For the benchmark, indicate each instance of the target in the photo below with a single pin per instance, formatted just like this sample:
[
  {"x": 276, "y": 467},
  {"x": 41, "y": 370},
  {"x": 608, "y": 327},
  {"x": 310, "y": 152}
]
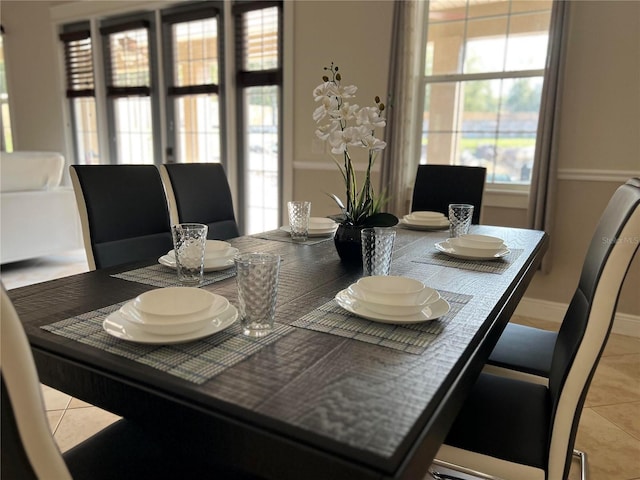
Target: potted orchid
[{"x": 343, "y": 126}]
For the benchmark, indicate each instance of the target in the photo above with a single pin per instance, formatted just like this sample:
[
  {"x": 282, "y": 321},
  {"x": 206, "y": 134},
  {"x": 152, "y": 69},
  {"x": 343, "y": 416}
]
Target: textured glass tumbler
[
  {"x": 460, "y": 215},
  {"x": 377, "y": 250},
  {"x": 299, "y": 213},
  {"x": 257, "y": 280},
  {"x": 189, "y": 240}
]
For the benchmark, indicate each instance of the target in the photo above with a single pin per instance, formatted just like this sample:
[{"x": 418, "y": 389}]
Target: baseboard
[{"x": 624, "y": 323}]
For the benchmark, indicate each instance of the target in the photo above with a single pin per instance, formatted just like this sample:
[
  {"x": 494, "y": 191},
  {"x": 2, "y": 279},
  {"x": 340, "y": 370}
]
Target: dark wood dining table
[{"x": 313, "y": 404}]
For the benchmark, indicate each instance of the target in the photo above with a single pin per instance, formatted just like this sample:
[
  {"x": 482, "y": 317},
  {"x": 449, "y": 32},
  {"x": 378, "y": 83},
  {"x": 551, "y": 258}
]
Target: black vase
[{"x": 349, "y": 244}]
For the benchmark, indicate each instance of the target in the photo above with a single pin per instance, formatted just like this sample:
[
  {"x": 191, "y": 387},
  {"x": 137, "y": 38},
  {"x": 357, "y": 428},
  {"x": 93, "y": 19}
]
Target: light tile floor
[{"x": 609, "y": 428}]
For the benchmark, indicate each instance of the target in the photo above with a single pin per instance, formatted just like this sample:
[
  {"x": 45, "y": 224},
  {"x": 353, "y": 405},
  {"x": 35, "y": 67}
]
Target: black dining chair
[
  {"x": 123, "y": 213},
  {"x": 123, "y": 450},
  {"x": 525, "y": 352},
  {"x": 517, "y": 429},
  {"x": 437, "y": 186},
  {"x": 200, "y": 193}
]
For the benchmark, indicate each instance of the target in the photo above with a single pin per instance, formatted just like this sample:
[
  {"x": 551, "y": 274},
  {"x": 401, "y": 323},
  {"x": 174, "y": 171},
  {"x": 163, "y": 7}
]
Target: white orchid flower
[
  {"x": 373, "y": 144},
  {"x": 326, "y": 89},
  {"x": 323, "y": 131},
  {"x": 370, "y": 117},
  {"x": 347, "y": 92},
  {"x": 337, "y": 142}
]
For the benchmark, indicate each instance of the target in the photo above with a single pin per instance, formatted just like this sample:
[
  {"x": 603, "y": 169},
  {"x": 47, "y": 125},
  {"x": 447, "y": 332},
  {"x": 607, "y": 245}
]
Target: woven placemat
[
  {"x": 410, "y": 338},
  {"x": 162, "y": 276},
  {"x": 282, "y": 236},
  {"x": 195, "y": 361},
  {"x": 499, "y": 265}
]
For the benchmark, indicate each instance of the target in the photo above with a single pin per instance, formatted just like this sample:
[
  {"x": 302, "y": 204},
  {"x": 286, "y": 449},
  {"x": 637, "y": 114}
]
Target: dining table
[{"x": 328, "y": 394}]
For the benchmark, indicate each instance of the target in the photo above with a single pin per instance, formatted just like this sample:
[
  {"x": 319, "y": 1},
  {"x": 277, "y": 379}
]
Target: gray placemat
[
  {"x": 282, "y": 236},
  {"x": 410, "y": 338},
  {"x": 195, "y": 361},
  {"x": 162, "y": 276},
  {"x": 499, "y": 265}
]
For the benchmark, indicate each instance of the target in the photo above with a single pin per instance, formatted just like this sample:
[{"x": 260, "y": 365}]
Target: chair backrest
[
  {"x": 200, "y": 193},
  {"x": 123, "y": 212},
  {"x": 437, "y": 186},
  {"x": 28, "y": 448},
  {"x": 588, "y": 320}
]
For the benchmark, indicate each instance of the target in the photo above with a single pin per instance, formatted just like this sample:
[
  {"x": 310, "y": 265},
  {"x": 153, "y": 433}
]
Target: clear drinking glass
[
  {"x": 377, "y": 250},
  {"x": 299, "y": 213},
  {"x": 189, "y": 241},
  {"x": 257, "y": 280},
  {"x": 460, "y": 215}
]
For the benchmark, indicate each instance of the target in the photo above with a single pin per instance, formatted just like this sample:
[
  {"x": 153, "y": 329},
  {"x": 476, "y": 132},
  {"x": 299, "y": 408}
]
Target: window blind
[
  {"x": 78, "y": 63},
  {"x": 258, "y": 43}
]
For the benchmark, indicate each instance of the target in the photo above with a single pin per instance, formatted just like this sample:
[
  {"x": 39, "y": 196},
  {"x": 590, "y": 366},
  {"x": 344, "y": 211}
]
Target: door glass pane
[
  {"x": 86, "y": 130},
  {"x": 134, "y": 133},
  {"x": 260, "y": 39},
  {"x": 195, "y": 52},
  {"x": 6, "y": 141},
  {"x": 261, "y": 169},
  {"x": 130, "y": 58},
  {"x": 197, "y": 128}
]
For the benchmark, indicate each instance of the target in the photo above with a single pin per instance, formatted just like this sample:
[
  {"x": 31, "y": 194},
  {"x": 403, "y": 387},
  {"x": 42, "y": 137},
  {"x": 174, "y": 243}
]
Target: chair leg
[
  {"x": 439, "y": 476},
  {"x": 582, "y": 456}
]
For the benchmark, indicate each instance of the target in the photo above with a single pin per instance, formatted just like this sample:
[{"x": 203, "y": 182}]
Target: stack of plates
[
  {"x": 218, "y": 255},
  {"x": 474, "y": 247},
  {"x": 171, "y": 315},
  {"x": 318, "y": 227},
  {"x": 391, "y": 299},
  {"x": 425, "y": 221}
]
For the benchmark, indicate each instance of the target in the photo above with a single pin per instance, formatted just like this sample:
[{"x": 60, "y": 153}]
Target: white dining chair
[
  {"x": 123, "y": 450},
  {"x": 512, "y": 428}
]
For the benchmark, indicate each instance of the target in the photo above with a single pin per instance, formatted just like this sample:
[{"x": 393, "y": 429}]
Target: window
[
  {"x": 131, "y": 108},
  {"x": 150, "y": 87},
  {"x": 193, "y": 78},
  {"x": 484, "y": 68},
  {"x": 259, "y": 81},
  {"x": 6, "y": 138},
  {"x": 78, "y": 54}
]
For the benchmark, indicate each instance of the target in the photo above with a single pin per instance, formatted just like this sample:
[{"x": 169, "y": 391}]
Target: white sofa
[{"x": 38, "y": 216}]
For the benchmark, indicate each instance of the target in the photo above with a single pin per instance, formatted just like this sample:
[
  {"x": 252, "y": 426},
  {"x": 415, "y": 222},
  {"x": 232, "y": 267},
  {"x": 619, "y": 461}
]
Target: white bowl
[
  {"x": 391, "y": 290},
  {"x": 480, "y": 241},
  {"x": 425, "y": 215},
  {"x": 427, "y": 297},
  {"x": 321, "y": 223},
  {"x": 173, "y": 303},
  {"x": 217, "y": 249},
  {"x": 462, "y": 249}
]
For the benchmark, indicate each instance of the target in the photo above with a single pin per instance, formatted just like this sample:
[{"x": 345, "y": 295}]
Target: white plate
[
  {"x": 425, "y": 215},
  {"x": 324, "y": 232},
  {"x": 131, "y": 313},
  {"x": 118, "y": 326},
  {"x": 209, "y": 266},
  {"x": 433, "y": 311},
  {"x": 414, "y": 226},
  {"x": 211, "y": 258},
  {"x": 446, "y": 249},
  {"x": 430, "y": 222},
  {"x": 428, "y": 297}
]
